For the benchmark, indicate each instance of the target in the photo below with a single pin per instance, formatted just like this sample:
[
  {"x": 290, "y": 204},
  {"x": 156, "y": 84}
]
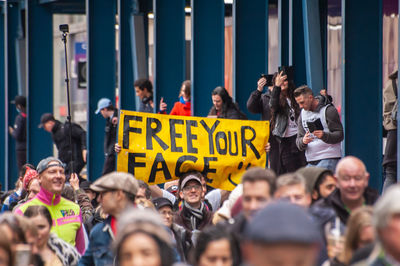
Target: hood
[{"x": 322, "y": 101}]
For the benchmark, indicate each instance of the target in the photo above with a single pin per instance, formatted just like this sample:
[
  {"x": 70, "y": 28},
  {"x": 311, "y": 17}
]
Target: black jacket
[
  {"x": 334, "y": 202},
  {"x": 19, "y": 133},
  {"x": 60, "y": 135},
  {"x": 258, "y": 103},
  {"x": 110, "y": 136}
]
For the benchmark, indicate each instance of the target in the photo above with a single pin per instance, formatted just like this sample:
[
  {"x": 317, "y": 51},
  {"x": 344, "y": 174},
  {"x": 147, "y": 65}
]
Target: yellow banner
[{"x": 157, "y": 148}]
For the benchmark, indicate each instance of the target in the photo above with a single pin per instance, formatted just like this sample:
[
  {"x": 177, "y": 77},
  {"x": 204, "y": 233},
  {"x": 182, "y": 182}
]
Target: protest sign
[{"x": 157, "y": 148}]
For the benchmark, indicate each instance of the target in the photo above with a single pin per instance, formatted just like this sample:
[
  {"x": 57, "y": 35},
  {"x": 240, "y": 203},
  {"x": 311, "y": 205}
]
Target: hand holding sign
[{"x": 163, "y": 105}]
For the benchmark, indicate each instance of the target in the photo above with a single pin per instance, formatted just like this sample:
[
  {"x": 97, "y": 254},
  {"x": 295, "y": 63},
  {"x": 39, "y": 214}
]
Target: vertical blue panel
[
  {"x": 39, "y": 62},
  {"x": 169, "y": 47},
  {"x": 125, "y": 60},
  {"x": 283, "y": 32},
  {"x": 101, "y": 75},
  {"x": 296, "y": 42},
  {"x": 323, "y": 18},
  {"x": 207, "y": 52},
  {"x": 362, "y": 83},
  {"x": 313, "y": 50},
  {"x": 3, "y": 102},
  {"x": 11, "y": 88},
  {"x": 250, "y": 47}
]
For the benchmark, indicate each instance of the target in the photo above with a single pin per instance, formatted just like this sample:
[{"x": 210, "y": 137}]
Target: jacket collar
[{"x": 47, "y": 197}]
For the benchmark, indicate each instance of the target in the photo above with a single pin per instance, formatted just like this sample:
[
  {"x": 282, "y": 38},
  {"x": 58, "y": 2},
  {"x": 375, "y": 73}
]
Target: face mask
[{"x": 19, "y": 111}]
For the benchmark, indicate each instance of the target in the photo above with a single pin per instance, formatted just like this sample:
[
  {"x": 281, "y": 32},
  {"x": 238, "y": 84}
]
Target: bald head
[
  {"x": 350, "y": 162},
  {"x": 352, "y": 179}
]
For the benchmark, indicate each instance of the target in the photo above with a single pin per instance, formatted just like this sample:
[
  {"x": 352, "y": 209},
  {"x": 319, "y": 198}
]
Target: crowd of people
[{"x": 308, "y": 207}]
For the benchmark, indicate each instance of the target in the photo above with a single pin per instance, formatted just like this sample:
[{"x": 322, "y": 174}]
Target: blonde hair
[{"x": 359, "y": 219}]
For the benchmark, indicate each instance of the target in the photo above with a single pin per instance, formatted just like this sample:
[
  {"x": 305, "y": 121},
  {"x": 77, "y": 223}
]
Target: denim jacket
[{"x": 99, "y": 252}]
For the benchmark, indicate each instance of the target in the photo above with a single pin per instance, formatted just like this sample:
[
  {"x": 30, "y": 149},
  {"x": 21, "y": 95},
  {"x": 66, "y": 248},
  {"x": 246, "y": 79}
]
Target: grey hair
[
  {"x": 291, "y": 179},
  {"x": 386, "y": 207}
]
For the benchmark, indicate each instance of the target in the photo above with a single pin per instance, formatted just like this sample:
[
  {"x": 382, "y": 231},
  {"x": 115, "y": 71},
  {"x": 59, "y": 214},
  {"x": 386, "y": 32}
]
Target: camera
[
  {"x": 268, "y": 78},
  {"x": 64, "y": 28}
]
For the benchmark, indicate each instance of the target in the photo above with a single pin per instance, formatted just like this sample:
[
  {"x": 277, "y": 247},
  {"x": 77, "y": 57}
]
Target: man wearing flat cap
[
  {"x": 117, "y": 193},
  {"x": 66, "y": 215},
  {"x": 281, "y": 234}
]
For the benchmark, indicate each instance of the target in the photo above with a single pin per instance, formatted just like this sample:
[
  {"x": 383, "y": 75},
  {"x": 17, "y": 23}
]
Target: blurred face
[
  {"x": 108, "y": 202},
  {"x": 366, "y": 236},
  {"x": 141, "y": 194},
  {"x": 139, "y": 249},
  {"x": 91, "y": 194},
  {"x": 166, "y": 214},
  {"x": 305, "y": 101},
  {"x": 4, "y": 258},
  {"x": 217, "y": 253},
  {"x": 183, "y": 94},
  {"x": 48, "y": 126},
  {"x": 43, "y": 229},
  {"x": 104, "y": 112},
  {"x": 285, "y": 85},
  {"x": 140, "y": 93},
  {"x": 352, "y": 181},
  {"x": 389, "y": 236},
  {"x": 281, "y": 254},
  {"x": 192, "y": 193},
  {"x": 327, "y": 187},
  {"x": 255, "y": 196},
  {"x": 34, "y": 188},
  {"x": 53, "y": 178},
  {"x": 217, "y": 101},
  {"x": 295, "y": 193}
]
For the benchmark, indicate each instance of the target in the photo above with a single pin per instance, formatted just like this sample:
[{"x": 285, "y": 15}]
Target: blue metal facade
[
  {"x": 362, "y": 84},
  {"x": 101, "y": 75},
  {"x": 39, "y": 70},
  {"x": 250, "y": 48},
  {"x": 169, "y": 50},
  {"x": 207, "y": 52},
  {"x": 302, "y": 42}
]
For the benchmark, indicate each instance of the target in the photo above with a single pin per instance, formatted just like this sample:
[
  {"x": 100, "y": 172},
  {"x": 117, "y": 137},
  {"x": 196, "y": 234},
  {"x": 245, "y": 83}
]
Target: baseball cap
[
  {"x": 103, "y": 103},
  {"x": 116, "y": 181},
  {"x": 46, "y": 163},
  {"x": 189, "y": 178},
  {"x": 85, "y": 185},
  {"x": 19, "y": 99},
  {"x": 282, "y": 222},
  {"x": 161, "y": 202},
  {"x": 46, "y": 117}
]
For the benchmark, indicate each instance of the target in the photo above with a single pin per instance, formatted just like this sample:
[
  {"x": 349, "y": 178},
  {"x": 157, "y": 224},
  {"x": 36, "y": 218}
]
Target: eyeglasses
[{"x": 189, "y": 188}]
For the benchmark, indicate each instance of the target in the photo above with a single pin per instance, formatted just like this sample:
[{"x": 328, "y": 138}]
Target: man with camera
[{"x": 320, "y": 130}]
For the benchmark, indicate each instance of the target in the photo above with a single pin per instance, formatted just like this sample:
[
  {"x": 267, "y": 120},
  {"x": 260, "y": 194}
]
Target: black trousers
[
  {"x": 290, "y": 157},
  {"x": 109, "y": 164},
  {"x": 21, "y": 158}
]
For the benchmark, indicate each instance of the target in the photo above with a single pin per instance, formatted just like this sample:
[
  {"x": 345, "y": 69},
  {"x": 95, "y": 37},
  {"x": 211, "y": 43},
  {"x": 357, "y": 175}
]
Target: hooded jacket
[{"x": 335, "y": 134}]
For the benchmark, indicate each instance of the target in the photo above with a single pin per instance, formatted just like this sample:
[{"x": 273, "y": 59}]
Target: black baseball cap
[
  {"x": 161, "y": 202},
  {"x": 46, "y": 118},
  {"x": 19, "y": 99}
]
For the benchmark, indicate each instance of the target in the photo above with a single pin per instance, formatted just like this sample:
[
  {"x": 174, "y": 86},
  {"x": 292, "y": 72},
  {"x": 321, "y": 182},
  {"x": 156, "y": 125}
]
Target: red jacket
[{"x": 180, "y": 109}]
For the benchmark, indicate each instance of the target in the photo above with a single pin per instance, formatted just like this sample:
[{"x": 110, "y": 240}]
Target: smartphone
[
  {"x": 288, "y": 71},
  {"x": 268, "y": 79}
]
